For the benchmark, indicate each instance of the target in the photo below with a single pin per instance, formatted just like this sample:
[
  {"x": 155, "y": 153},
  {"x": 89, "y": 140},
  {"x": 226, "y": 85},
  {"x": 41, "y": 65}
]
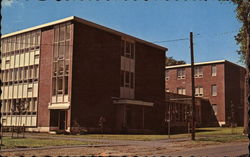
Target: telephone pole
[{"x": 193, "y": 88}]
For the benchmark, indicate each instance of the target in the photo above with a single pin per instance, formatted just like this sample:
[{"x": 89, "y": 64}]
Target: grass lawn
[
  {"x": 234, "y": 134},
  {"x": 204, "y": 134},
  {"x": 8, "y": 142}
]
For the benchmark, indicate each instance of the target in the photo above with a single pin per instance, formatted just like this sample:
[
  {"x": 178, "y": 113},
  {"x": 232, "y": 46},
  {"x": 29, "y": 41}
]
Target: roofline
[
  {"x": 201, "y": 63},
  {"x": 77, "y": 19}
]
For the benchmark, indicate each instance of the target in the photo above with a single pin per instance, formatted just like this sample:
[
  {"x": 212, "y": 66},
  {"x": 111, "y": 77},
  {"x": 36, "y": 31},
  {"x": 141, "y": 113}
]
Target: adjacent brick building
[
  {"x": 71, "y": 72},
  {"x": 221, "y": 82}
]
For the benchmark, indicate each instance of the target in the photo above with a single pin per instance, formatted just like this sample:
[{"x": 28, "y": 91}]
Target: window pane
[
  {"x": 66, "y": 85},
  {"x": 67, "y": 51},
  {"x": 55, "y": 51},
  {"x": 67, "y": 31},
  {"x": 66, "y": 67},
  {"x": 62, "y": 33},
  {"x": 54, "y": 86},
  {"x": 126, "y": 79},
  {"x": 56, "y": 34},
  {"x": 60, "y": 67},
  {"x": 59, "y": 85},
  {"x": 61, "y": 50}
]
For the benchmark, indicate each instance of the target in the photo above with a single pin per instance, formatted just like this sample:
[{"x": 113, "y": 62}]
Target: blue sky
[{"x": 152, "y": 20}]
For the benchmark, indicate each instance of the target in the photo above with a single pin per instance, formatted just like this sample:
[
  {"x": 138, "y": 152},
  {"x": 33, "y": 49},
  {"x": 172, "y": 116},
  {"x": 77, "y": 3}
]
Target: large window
[
  {"x": 198, "y": 72},
  {"x": 214, "y": 90},
  {"x": 214, "y": 70},
  {"x": 127, "y": 79},
  {"x": 61, "y": 54},
  {"x": 127, "y": 49},
  {"x": 199, "y": 91},
  {"x": 181, "y": 73},
  {"x": 181, "y": 91}
]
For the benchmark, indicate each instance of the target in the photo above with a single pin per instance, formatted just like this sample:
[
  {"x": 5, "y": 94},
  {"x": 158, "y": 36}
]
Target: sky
[{"x": 213, "y": 23}]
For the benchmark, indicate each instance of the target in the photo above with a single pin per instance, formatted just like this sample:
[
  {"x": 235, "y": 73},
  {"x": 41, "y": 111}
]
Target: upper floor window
[
  {"x": 181, "y": 91},
  {"x": 181, "y": 73},
  {"x": 214, "y": 70},
  {"x": 127, "y": 79},
  {"x": 199, "y": 91},
  {"x": 127, "y": 49},
  {"x": 166, "y": 75},
  {"x": 214, "y": 90},
  {"x": 198, "y": 72}
]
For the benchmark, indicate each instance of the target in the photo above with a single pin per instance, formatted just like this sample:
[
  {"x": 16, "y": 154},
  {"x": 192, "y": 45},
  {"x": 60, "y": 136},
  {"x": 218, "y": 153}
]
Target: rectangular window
[
  {"x": 214, "y": 106},
  {"x": 181, "y": 91},
  {"x": 199, "y": 91},
  {"x": 60, "y": 85},
  {"x": 67, "y": 31},
  {"x": 29, "y": 89},
  {"x": 166, "y": 75},
  {"x": 214, "y": 70},
  {"x": 36, "y": 71},
  {"x": 198, "y": 73},
  {"x": 127, "y": 79},
  {"x": 20, "y": 74},
  {"x": 54, "y": 86},
  {"x": 181, "y": 73},
  {"x": 127, "y": 49},
  {"x": 61, "y": 33},
  {"x": 214, "y": 90},
  {"x": 66, "y": 85}
]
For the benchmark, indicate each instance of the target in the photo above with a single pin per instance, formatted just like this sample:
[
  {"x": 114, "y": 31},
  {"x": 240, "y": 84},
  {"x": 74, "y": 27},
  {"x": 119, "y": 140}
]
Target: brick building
[
  {"x": 221, "y": 82},
  {"x": 71, "y": 72}
]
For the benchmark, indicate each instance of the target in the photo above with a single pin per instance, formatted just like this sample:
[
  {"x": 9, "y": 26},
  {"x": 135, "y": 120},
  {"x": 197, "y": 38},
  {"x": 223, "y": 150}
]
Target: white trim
[
  {"x": 201, "y": 63},
  {"x": 59, "y": 106}
]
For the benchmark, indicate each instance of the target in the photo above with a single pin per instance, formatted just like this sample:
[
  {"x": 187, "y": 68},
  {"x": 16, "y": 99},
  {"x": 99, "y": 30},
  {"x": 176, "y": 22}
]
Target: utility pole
[{"x": 193, "y": 88}]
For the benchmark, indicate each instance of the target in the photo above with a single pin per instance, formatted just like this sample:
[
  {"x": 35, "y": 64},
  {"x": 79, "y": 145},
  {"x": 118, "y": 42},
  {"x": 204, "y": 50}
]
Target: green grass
[
  {"x": 9, "y": 142},
  {"x": 200, "y": 133}
]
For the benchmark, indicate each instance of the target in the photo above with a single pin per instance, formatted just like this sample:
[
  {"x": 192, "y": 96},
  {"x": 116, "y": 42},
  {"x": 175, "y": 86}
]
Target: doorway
[{"x": 62, "y": 120}]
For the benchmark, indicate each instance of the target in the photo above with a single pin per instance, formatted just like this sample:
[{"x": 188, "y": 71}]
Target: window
[
  {"x": 214, "y": 70},
  {"x": 181, "y": 73},
  {"x": 36, "y": 71},
  {"x": 127, "y": 79},
  {"x": 166, "y": 75},
  {"x": 181, "y": 91},
  {"x": 214, "y": 106},
  {"x": 29, "y": 89},
  {"x": 214, "y": 90},
  {"x": 127, "y": 49},
  {"x": 199, "y": 91},
  {"x": 198, "y": 73}
]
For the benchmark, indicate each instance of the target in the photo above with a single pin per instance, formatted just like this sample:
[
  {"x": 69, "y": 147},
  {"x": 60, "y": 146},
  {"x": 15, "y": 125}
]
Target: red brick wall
[
  {"x": 96, "y": 75},
  {"x": 46, "y": 53},
  {"x": 150, "y": 83},
  {"x": 235, "y": 87},
  {"x": 206, "y": 81}
]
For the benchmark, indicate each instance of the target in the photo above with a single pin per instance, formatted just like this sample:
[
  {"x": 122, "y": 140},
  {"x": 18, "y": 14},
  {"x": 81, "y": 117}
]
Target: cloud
[{"x": 7, "y": 3}]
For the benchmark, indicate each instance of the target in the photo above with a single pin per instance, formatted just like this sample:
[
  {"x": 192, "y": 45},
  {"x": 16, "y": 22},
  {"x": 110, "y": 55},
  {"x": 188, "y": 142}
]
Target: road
[{"x": 228, "y": 150}]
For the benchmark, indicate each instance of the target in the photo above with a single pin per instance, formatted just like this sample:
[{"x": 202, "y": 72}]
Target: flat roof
[
  {"x": 77, "y": 19},
  {"x": 201, "y": 63}
]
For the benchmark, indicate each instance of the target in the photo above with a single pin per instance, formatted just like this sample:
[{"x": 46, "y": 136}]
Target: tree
[
  {"x": 242, "y": 38},
  {"x": 171, "y": 61},
  {"x": 242, "y": 13}
]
